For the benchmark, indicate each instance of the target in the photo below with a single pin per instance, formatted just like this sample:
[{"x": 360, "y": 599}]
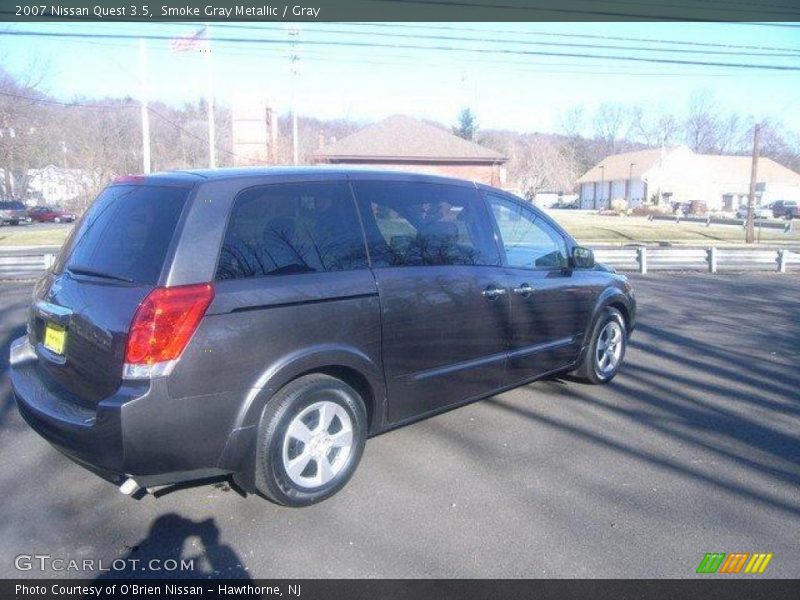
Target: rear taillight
[{"x": 163, "y": 324}]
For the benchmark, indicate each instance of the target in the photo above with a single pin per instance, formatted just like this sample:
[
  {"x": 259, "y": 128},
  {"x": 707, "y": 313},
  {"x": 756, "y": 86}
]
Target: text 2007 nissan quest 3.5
[{"x": 263, "y": 323}]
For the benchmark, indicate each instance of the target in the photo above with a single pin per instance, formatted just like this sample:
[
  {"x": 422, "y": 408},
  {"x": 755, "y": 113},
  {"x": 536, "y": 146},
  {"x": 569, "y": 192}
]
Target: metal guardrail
[
  {"x": 25, "y": 262},
  {"x": 712, "y": 259},
  {"x": 31, "y": 262},
  {"x": 784, "y": 226}
]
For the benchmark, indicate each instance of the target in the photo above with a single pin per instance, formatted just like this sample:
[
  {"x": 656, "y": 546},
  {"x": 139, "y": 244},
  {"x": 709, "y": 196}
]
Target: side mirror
[{"x": 582, "y": 258}]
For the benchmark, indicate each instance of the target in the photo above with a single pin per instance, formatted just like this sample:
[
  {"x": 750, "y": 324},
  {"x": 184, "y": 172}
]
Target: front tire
[
  {"x": 606, "y": 349},
  {"x": 311, "y": 438}
]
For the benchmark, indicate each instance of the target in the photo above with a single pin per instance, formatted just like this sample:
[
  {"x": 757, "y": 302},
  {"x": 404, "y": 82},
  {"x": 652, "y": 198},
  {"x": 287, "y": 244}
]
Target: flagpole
[
  {"x": 294, "y": 58},
  {"x": 144, "y": 109},
  {"x": 212, "y": 146}
]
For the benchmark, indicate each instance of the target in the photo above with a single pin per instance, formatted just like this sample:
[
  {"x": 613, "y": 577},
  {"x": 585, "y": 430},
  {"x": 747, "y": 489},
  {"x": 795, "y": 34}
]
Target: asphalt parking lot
[{"x": 694, "y": 448}]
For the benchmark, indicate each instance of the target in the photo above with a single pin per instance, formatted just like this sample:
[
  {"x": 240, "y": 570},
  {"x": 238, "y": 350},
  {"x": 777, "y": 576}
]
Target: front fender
[{"x": 613, "y": 295}]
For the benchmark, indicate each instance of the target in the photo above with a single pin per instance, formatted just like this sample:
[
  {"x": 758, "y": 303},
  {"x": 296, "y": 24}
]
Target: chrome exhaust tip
[{"x": 129, "y": 487}]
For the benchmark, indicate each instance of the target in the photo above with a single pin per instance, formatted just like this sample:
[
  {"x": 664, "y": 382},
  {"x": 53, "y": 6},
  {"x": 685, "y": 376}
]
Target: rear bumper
[{"x": 129, "y": 434}]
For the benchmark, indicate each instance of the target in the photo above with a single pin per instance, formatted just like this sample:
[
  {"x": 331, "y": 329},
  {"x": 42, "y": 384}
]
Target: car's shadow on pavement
[
  {"x": 176, "y": 547},
  {"x": 708, "y": 380}
]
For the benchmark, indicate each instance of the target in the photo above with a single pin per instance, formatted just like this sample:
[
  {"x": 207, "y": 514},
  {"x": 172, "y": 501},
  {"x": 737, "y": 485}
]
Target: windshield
[{"x": 125, "y": 234}]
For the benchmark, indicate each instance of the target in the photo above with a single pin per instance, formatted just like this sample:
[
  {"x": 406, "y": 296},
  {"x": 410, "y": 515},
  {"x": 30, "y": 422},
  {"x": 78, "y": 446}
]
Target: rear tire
[
  {"x": 606, "y": 350},
  {"x": 311, "y": 438}
]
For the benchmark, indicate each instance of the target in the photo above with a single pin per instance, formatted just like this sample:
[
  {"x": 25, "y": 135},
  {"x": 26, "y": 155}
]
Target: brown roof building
[{"x": 405, "y": 143}]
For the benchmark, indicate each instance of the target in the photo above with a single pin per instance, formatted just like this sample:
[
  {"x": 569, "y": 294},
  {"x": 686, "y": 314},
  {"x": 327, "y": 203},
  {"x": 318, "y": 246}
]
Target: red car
[{"x": 47, "y": 214}]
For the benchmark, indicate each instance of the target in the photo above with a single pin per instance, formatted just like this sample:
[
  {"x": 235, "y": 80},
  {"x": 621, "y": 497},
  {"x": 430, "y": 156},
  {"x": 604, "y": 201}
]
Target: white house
[
  {"x": 679, "y": 175},
  {"x": 57, "y": 185}
]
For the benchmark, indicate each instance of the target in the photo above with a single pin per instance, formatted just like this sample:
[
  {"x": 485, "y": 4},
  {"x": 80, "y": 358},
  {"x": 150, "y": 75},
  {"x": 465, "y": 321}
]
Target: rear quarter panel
[{"x": 260, "y": 333}]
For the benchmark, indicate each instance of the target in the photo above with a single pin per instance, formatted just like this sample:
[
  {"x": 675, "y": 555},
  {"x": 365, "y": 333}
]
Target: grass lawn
[
  {"x": 33, "y": 235},
  {"x": 596, "y": 229}
]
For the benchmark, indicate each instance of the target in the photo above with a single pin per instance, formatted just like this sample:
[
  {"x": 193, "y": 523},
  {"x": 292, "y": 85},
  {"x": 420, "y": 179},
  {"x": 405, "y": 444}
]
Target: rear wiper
[{"x": 80, "y": 270}]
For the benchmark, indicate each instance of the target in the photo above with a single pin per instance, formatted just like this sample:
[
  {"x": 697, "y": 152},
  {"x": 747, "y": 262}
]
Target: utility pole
[
  {"x": 212, "y": 142},
  {"x": 294, "y": 58},
  {"x": 748, "y": 236},
  {"x": 629, "y": 186},
  {"x": 602, "y": 183},
  {"x": 145, "y": 110}
]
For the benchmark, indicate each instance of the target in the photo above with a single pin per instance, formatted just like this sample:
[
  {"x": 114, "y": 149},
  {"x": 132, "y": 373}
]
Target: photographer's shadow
[{"x": 179, "y": 548}]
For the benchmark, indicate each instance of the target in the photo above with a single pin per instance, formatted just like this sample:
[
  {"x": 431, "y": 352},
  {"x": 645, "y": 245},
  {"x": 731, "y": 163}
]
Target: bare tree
[
  {"x": 778, "y": 143},
  {"x": 612, "y": 124},
  {"x": 660, "y": 130},
  {"x": 24, "y": 139},
  {"x": 539, "y": 164},
  {"x": 572, "y": 122},
  {"x": 702, "y": 125},
  {"x": 581, "y": 152}
]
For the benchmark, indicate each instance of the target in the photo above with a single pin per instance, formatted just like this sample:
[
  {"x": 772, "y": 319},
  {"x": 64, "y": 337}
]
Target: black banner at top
[{"x": 401, "y": 10}]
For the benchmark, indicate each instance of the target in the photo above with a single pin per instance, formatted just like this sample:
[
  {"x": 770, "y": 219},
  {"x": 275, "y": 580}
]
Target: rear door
[
  {"x": 444, "y": 306},
  {"x": 83, "y": 309},
  {"x": 549, "y": 307}
]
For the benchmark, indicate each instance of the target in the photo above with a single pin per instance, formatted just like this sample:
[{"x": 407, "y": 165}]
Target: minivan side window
[
  {"x": 292, "y": 228},
  {"x": 412, "y": 224},
  {"x": 529, "y": 241}
]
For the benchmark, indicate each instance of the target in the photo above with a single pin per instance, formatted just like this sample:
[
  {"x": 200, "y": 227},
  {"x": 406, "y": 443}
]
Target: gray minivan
[{"x": 262, "y": 323}]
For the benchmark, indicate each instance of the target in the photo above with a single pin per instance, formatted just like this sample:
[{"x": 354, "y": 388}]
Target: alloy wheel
[
  {"x": 609, "y": 348},
  {"x": 318, "y": 444}
]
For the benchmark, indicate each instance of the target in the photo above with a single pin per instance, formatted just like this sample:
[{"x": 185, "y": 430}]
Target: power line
[
  {"x": 502, "y": 51},
  {"x": 573, "y": 35},
  {"x": 483, "y": 30},
  {"x": 231, "y": 49},
  {"x": 228, "y": 49},
  {"x": 67, "y": 104},
  {"x": 519, "y": 67},
  {"x": 526, "y": 42},
  {"x": 765, "y": 51},
  {"x": 189, "y": 133},
  {"x": 559, "y": 68}
]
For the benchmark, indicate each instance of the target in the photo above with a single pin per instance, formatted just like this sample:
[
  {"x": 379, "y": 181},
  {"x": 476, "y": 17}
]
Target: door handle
[
  {"x": 523, "y": 290},
  {"x": 493, "y": 292}
]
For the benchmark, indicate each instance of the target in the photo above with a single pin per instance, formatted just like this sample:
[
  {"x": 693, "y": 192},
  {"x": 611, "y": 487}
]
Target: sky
[{"x": 505, "y": 89}]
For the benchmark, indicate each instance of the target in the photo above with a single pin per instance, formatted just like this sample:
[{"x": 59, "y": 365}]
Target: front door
[
  {"x": 444, "y": 305},
  {"x": 548, "y": 306}
]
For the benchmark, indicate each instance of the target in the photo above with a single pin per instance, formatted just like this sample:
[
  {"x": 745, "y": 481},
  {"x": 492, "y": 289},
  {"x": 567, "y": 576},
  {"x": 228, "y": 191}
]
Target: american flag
[{"x": 191, "y": 41}]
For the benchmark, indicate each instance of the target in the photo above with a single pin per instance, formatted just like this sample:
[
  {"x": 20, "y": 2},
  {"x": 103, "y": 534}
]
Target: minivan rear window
[{"x": 125, "y": 233}]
